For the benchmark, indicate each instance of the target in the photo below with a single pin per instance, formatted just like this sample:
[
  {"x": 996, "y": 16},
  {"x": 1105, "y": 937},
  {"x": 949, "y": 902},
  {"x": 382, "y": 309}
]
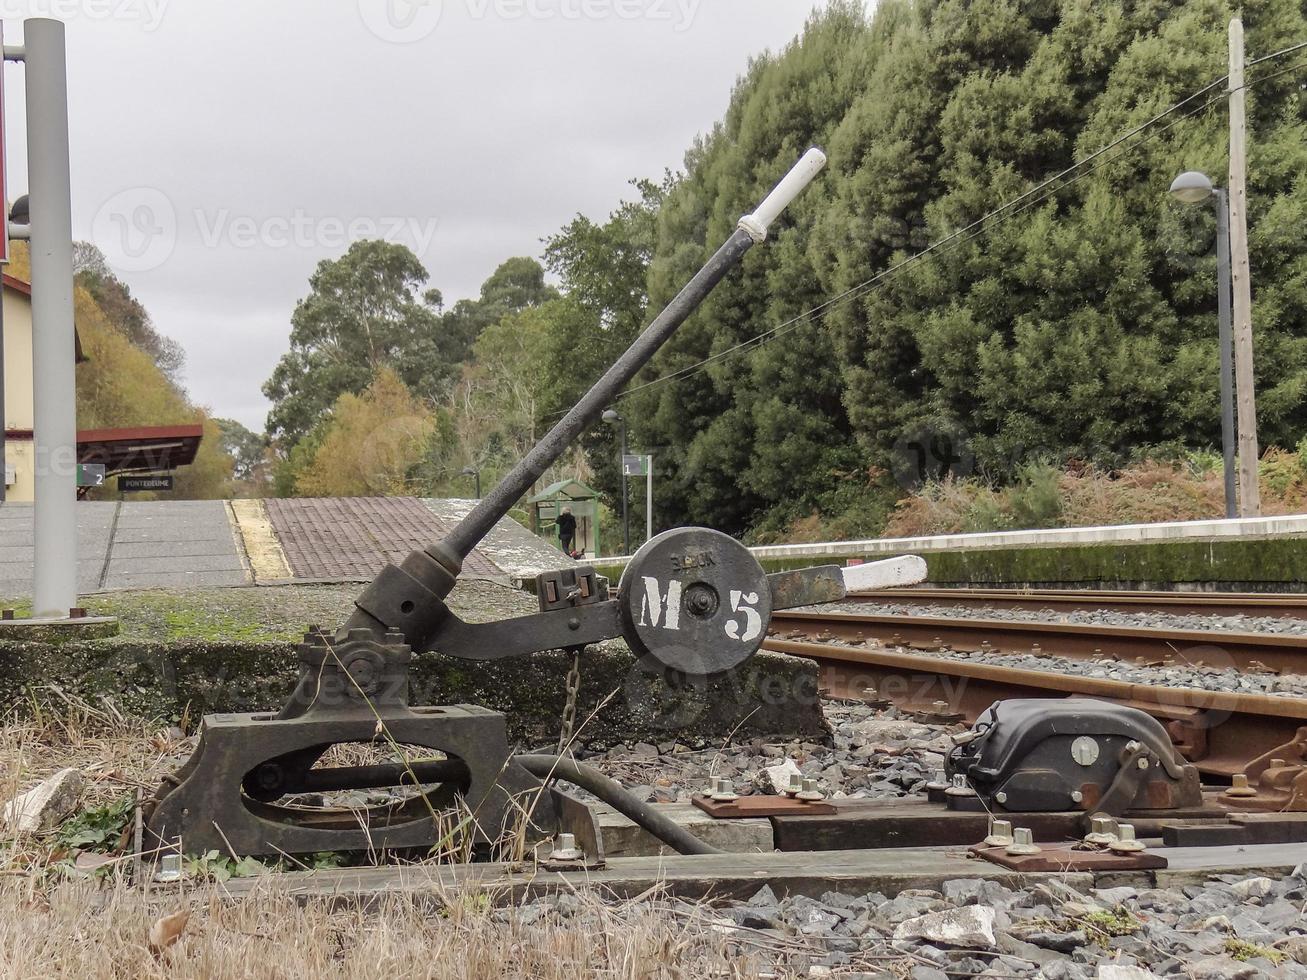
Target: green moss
[
  {"x": 1104, "y": 924},
  {"x": 197, "y": 624},
  {"x": 1243, "y": 951}
]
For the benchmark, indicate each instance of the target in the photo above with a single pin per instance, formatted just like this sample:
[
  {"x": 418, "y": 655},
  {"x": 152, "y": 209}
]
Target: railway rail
[
  {"x": 1284, "y": 605},
  {"x": 1218, "y": 731},
  {"x": 1244, "y": 651}
]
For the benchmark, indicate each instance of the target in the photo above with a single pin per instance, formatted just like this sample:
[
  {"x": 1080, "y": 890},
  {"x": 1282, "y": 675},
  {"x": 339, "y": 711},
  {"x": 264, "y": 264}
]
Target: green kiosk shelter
[{"x": 549, "y": 503}]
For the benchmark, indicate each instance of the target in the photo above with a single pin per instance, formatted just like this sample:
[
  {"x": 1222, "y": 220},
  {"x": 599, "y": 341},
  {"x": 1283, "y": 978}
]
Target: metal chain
[{"x": 569, "y": 710}]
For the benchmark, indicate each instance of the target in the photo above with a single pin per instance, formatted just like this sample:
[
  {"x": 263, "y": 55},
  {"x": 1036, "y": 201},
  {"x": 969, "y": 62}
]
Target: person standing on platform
[{"x": 567, "y": 531}]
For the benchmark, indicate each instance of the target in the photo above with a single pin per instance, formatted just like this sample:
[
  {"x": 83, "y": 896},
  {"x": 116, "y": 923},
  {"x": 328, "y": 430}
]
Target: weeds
[
  {"x": 1104, "y": 924},
  {"x": 99, "y": 829},
  {"x": 1243, "y": 951}
]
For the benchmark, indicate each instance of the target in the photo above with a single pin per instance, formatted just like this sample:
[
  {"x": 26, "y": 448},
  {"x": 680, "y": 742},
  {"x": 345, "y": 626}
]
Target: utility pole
[
  {"x": 54, "y": 590},
  {"x": 1250, "y": 502}
]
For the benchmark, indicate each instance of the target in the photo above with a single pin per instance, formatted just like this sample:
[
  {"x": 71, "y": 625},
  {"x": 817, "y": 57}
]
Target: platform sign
[
  {"x": 90, "y": 474},
  {"x": 635, "y": 465},
  {"x": 145, "y": 484}
]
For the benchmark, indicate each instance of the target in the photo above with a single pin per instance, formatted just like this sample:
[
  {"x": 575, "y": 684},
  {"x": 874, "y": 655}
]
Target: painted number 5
[{"x": 744, "y": 603}]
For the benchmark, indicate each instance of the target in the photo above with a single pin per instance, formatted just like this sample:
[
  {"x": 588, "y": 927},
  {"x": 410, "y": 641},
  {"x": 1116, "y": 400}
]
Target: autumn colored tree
[{"x": 372, "y": 444}]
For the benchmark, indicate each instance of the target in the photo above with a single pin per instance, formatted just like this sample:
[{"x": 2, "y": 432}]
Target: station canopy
[{"x": 143, "y": 450}]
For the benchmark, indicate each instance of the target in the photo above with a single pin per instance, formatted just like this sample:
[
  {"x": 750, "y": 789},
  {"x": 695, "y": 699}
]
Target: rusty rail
[
  {"x": 1292, "y": 605},
  {"x": 1216, "y": 730},
  {"x": 1245, "y": 652}
]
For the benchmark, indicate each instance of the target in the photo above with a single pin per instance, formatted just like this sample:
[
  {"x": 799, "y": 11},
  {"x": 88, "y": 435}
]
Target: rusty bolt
[
  {"x": 1023, "y": 842},
  {"x": 565, "y": 849},
  {"x": 1000, "y": 834},
  {"x": 1239, "y": 786},
  {"x": 1126, "y": 842}
]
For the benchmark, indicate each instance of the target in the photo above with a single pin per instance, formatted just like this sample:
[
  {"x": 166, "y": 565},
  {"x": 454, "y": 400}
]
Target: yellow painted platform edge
[{"x": 259, "y": 538}]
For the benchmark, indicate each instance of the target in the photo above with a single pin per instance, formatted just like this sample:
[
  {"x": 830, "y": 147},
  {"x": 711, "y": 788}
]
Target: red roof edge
[
  {"x": 13, "y": 282},
  {"x": 140, "y": 434}
]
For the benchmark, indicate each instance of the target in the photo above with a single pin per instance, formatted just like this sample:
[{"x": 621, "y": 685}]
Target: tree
[
  {"x": 1081, "y": 326},
  {"x": 372, "y": 444},
  {"x": 248, "y": 452},
  {"x": 125, "y": 312},
  {"x": 518, "y": 284},
  {"x": 364, "y": 312}
]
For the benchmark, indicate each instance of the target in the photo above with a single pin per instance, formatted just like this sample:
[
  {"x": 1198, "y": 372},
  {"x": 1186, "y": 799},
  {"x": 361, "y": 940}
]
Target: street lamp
[
  {"x": 1192, "y": 187},
  {"x": 613, "y": 418},
  {"x": 473, "y": 471}
]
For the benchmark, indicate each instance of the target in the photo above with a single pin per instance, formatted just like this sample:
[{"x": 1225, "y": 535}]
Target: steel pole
[
  {"x": 4, "y": 471},
  {"x": 1226, "y": 335},
  {"x": 626, "y": 502},
  {"x": 1250, "y": 495},
  {"x": 53, "y": 344},
  {"x": 648, "y": 500}
]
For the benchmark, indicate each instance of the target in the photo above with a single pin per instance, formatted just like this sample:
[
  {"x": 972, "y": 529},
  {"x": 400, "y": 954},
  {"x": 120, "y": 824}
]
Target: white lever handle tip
[{"x": 790, "y": 187}]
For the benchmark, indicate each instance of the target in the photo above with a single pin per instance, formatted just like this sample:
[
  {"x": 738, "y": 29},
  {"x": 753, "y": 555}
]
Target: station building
[{"x": 138, "y": 450}]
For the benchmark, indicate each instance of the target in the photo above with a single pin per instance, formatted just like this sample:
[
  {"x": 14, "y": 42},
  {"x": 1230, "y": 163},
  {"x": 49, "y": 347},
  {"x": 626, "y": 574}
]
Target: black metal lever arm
[
  {"x": 525, "y": 635},
  {"x": 596, "y": 621}
]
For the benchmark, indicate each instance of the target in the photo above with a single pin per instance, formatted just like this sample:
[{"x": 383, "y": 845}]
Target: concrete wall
[{"x": 18, "y": 394}]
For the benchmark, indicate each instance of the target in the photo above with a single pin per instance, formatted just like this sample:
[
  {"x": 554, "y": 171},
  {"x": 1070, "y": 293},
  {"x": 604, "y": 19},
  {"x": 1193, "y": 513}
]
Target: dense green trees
[
  {"x": 1080, "y": 327},
  {"x": 1077, "y": 325}
]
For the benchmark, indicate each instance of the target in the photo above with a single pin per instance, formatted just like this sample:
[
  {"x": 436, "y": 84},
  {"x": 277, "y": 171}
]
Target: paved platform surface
[
  {"x": 132, "y": 545},
  {"x": 176, "y": 544},
  {"x": 354, "y": 538},
  {"x": 511, "y": 546}
]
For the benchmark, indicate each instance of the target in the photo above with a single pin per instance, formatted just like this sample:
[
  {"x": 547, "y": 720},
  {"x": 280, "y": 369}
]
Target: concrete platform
[
  {"x": 512, "y": 547},
  {"x": 1245, "y": 528},
  {"x": 131, "y": 544}
]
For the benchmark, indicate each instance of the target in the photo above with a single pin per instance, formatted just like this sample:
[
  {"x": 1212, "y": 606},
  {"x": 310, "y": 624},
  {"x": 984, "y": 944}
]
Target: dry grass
[
  {"x": 1144, "y": 493},
  {"x": 88, "y": 931},
  {"x": 56, "y": 921}
]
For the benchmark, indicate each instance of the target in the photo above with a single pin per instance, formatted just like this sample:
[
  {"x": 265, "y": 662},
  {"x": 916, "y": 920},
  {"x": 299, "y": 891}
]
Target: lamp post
[
  {"x": 1192, "y": 187},
  {"x": 473, "y": 471},
  {"x": 613, "y": 418}
]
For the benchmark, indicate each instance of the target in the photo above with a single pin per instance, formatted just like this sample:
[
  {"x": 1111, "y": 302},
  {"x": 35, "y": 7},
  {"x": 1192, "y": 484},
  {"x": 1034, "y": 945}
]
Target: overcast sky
[{"x": 222, "y": 148}]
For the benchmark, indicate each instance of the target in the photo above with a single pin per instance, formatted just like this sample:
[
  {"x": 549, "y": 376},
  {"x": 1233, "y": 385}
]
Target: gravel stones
[
  {"x": 971, "y": 926},
  {"x": 1208, "y": 677},
  {"x": 872, "y": 754}
]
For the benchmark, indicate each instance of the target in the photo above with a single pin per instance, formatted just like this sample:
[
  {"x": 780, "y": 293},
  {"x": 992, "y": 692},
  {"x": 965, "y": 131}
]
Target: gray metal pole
[
  {"x": 648, "y": 500},
  {"x": 626, "y": 498},
  {"x": 53, "y": 346},
  {"x": 1226, "y": 333},
  {"x": 3, "y": 422}
]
